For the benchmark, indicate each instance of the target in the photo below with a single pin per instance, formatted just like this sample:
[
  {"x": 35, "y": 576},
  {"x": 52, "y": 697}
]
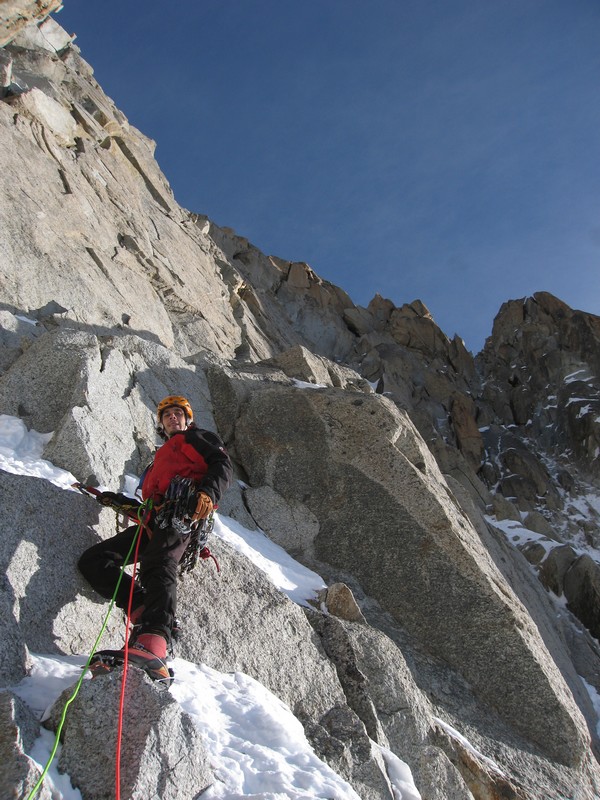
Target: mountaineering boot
[
  {"x": 133, "y": 635},
  {"x": 149, "y": 652},
  {"x": 146, "y": 651}
]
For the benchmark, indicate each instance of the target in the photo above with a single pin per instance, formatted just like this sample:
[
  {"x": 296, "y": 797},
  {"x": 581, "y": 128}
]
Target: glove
[
  {"x": 107, "y": 498},
  {"x": 204, "y": 505},
  {"x": 117, "y": 500}
]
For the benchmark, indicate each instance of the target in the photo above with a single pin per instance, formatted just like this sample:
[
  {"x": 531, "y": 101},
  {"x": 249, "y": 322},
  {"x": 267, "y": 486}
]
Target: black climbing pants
[{"x": 156, "y": 585}]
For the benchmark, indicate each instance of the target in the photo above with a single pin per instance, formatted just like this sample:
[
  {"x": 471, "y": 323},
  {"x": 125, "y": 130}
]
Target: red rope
[
  {"x": 143, "y": 524},
  {"x": 205, "y": 553}
]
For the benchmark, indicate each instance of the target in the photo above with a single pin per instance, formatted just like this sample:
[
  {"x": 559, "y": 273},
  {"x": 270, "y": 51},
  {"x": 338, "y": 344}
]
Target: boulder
[
  {"x": 49, "y": 607},
  {"x": 555, "y": 566},
  {"x": 340, "y": 602},
  {"x": 161, "y": 752},
  {"x": 534, "y": 521},
  {"x": 288, "y": 523}
]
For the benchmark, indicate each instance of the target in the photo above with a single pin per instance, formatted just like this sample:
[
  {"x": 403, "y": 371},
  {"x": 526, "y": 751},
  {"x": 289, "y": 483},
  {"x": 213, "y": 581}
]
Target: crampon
[{"x": 105, "y": 661}]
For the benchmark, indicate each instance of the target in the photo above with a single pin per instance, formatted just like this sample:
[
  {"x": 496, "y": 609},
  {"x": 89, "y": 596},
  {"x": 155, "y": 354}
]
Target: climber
[{"x": 196, "y": 460}]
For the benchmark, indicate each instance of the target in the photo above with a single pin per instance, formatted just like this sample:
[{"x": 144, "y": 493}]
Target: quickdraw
[
  {"x": 175, "y": 513},
  {"x": 197, "y": 547}
]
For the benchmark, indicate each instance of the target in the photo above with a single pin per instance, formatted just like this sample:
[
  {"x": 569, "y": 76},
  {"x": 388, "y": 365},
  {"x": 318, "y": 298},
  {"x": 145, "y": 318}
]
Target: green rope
[{"x": 146, "y": 505}]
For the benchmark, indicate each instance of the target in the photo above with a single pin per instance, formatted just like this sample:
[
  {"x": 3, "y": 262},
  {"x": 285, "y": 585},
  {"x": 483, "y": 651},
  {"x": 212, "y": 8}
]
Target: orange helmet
[{"x": 175, "y": 400}]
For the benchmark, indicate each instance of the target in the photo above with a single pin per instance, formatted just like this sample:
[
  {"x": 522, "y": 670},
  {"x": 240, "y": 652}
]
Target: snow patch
[
  {"x": 306, "y": 385},
  {"x": 454, "y": 734},
  {"x": 256, "y": 746},
  {"x": 21, "y": 453}
]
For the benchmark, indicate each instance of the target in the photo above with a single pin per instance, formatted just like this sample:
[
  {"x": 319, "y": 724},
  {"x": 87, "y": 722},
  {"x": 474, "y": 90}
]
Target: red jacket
[{"x": 193, "y": 453}]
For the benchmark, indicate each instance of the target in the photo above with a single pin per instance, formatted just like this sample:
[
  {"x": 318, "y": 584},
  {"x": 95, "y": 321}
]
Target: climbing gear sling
[
  {"x": 176, "y": 512},
  {"x": 172, "y": 512}
]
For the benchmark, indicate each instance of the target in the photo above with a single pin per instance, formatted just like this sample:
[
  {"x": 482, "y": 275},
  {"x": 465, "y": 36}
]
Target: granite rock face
[
  {"x": 385, "y": 515},
  {"x": 18, "y": 731},
  {"x": 447, "y": 501},
  {"x": 162, "y": 754},
  {"x": 541, "y": 367},
  {"x": 15, "y": 15}
]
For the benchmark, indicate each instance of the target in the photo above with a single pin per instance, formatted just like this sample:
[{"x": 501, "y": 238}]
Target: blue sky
[{"x": 441, "y": 150}]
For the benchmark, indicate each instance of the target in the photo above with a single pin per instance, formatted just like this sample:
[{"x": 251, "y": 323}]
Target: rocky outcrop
[
  {"x": 541, "y": 368},
  {"x": 45, "y": 611},
  {"x": 162, "y": 754},
  {"x": 66, "y": 374},
  {"x": 293, "y": 488},
  {"x": 575, "y": 576},
  {"x": 368, "y": 444},
  {"x": 581, "y": 585},
  {"x": 18, "y": 731},
  {"x": 385, "y": 515},
  {"x": 15, "y": 15},
  {"x": 538, "y": 411}
]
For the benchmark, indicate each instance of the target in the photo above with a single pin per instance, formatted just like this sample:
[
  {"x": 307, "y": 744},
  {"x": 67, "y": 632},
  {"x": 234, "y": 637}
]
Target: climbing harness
[
  {"x": 197, "y": 547},
  {"x": 173, "y": 512}
]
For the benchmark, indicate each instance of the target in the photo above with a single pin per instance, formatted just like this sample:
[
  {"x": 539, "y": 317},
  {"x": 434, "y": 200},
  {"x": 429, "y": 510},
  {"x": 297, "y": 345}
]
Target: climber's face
[{"x": 173, "y": 419}]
